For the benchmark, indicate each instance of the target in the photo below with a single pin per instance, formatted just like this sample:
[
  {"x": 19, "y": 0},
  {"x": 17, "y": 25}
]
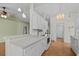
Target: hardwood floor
[
  {"x": 2, "y": 49},
  {"x": 59, "y": 48}
]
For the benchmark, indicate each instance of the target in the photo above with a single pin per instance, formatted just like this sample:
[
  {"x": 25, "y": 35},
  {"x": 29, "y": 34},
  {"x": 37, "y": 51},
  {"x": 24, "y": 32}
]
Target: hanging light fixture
[
  {"x": 3, "y": 13},
  {"x": 60, "y": 15}
]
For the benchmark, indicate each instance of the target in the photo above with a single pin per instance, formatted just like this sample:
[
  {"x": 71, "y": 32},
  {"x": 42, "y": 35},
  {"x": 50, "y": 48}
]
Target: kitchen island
[{"x": 25, "y": 45}]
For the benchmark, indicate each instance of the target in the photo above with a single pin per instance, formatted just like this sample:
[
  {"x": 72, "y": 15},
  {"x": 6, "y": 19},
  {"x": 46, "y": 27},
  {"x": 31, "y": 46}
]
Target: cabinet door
[
  {"x": 44, "y": 43},
  {"x": 34, "y": 23},
  {"x": 33, "y": 20},
  {"x": 30, "y": 51},
  {"x": 33, "y": 50},
  {"x": 27, "y": 51},
  {"x": 40, "y": 20},
  {"x": 39, "y": 48}
]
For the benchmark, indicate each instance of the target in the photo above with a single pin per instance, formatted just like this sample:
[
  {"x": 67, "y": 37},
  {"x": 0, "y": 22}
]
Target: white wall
[
  {"x": 7, "y": 27},
  {"x": 20, "y": 28},
  {"x": 10, "y": 27}
]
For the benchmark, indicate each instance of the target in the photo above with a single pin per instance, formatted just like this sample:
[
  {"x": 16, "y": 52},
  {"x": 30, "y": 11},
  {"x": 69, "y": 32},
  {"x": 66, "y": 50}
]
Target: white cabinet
[
  {"x": 32, "y": 50},
  {"x": 37, "y": 22},
  {"x": 34, "y": 21},
  {"x": 75, "y": 44},
  {"x": 44, "y": 43},
  {"x": 29, "y": 51},
  {"x": 26, "y": 46},
  {"x": 35, "y": 49}
]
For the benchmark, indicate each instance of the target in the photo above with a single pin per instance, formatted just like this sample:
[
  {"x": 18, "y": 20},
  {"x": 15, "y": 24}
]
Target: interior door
[{"x": 60, "y": 30}]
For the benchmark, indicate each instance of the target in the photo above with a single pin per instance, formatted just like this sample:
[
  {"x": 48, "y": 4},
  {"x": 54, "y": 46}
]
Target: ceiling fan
[{"x": 3, "y": 12}]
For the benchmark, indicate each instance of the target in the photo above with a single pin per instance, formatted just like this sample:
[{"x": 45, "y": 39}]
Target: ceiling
[
  {"x": 13, "y": 7},
  {"x": 51, "y": 9},
  {"x": 46, "y": 10}
]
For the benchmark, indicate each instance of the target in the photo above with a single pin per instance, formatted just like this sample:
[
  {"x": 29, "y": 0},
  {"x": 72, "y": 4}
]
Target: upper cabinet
[
  {"x": 34, "y": 20},
  {"x": 37, "y": 22}
]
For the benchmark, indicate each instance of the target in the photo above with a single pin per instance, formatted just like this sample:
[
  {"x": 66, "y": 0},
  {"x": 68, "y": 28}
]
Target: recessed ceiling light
[
  {"x": 23, "y": 15},
  {"x": 19, "y": 9}
]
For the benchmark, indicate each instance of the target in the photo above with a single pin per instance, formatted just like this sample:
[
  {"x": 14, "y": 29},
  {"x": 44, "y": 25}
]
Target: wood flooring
[
  {"x": 59, "y": 48},
  {"x": 2, "y": 49}
]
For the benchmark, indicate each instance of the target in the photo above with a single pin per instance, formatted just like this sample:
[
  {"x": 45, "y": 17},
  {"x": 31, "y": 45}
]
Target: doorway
[{"x": 60, "y": 31}]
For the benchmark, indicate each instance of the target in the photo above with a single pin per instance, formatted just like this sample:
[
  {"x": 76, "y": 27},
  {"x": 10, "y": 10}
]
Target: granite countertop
[
  {"x": 25, "y": 42},
  {"x": 76, "y": 37}
]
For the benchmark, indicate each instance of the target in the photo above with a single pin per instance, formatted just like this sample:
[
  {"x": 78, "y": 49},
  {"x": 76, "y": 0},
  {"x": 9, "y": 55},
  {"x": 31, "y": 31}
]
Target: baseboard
[{"x": 59, "y": 38}]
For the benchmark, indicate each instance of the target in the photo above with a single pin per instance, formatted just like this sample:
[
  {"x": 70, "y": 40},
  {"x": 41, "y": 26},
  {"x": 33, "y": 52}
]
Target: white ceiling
[
  {"x": 51, "y": 9},
  {"x": 13, "y": 7},
  {"x": 44, "y": 9}
]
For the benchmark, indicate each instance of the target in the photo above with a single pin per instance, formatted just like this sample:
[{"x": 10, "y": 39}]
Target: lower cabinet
[
  {"x": 74, "y": 44},
  {"x": 35, "y": 49},
  {"x": 44, "y": 43}
]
